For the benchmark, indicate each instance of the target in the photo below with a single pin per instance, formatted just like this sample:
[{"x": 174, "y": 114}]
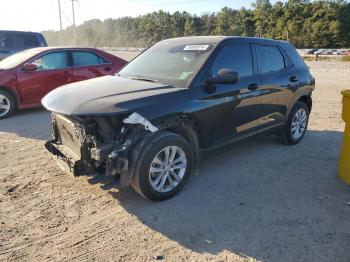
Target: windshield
[
  {"x": 17, "y": 41},
  {"x": 167, "y": 63},
  {"x": 18, "y": 58}
]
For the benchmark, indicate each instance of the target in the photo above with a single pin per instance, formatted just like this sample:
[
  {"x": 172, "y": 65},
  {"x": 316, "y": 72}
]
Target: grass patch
[{"x": 345, "y": 59}]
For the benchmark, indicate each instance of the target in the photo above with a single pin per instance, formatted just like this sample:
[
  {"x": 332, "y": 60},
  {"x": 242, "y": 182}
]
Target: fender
[
  {"x": 181, "y": 124},
  {"x": 298, "y": 94}
]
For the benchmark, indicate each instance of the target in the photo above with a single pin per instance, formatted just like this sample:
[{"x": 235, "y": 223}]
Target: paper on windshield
[{"x": 196, "y": 47}]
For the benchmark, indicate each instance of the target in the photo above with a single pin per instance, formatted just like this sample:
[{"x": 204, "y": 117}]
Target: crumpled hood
[{"x": 103, "y": 95}]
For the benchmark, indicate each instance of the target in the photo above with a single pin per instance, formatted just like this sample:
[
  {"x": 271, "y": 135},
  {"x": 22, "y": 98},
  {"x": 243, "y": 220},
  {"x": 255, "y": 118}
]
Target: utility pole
[
  {"x": 60, "y": 14},
  {"x": 75, "y": 29},
  {"x": 73, "y": 11},
  {"x": 67, "y": 18}
]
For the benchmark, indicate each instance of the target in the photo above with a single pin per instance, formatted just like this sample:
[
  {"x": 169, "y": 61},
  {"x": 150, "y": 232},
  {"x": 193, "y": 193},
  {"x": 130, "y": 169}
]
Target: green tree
[{"x": 320, "y": 23}]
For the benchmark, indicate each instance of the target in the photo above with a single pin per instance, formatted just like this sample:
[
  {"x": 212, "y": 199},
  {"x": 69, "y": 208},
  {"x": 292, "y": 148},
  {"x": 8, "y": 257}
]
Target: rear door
[
  {"x": 53, "y": 71},
  {"x": 88, "y": 64},
  {"x": 278, "y": 81}
]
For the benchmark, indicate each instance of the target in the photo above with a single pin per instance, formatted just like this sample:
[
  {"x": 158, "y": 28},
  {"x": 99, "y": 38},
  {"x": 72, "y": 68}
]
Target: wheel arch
[
  {"x": 184, "y": 125},
  {"x": 301, "y": 96},
  {"x": 13, "y": 93},
  {"x": 306, "y": 99},
  {"x": 181, "y": 124}
]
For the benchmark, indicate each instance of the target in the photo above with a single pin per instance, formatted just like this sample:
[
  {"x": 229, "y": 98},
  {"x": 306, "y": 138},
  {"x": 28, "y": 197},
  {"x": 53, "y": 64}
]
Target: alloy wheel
[
  {"x": 5, "y": 105},
  {"x": 167, "y": 169},
  {"x": 299, "y": 123}
]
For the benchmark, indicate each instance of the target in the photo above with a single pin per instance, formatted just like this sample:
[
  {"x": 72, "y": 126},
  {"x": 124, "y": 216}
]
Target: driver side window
[
  {"x": 237, "y": 57},
  {"x": 56, "y": 60}
]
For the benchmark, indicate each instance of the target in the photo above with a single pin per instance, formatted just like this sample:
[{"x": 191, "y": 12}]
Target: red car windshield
[{"x": 18, "y": 58}]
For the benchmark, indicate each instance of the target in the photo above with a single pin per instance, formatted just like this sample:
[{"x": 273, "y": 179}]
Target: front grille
[{"x": 68, "y": 135}]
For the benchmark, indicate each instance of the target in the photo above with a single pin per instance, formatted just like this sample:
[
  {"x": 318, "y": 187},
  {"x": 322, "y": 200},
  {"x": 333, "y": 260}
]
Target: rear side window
[
  {"x": 270, "y": 59},
  {"x": 294, "y": 56},
  {"x": 56, "y": 60},
  {"x": 237, "y": 57},
  {"x": 17, "y": 41},
  {"x": 82, "y": 58}
]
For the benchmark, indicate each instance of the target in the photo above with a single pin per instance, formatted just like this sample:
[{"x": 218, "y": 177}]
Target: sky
[{"x": 39, "y": 15}]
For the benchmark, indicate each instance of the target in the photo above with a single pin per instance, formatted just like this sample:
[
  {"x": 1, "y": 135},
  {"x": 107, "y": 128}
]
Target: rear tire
[
  {"x": 165, "y": 157},
  {"x": 297, "y": 123},
  {"x": 7, "y": 104}
]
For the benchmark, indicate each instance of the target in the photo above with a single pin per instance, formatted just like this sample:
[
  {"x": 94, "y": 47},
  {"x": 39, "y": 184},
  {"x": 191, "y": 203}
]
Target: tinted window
[
  {"x": 237, "y": 57},
  {"x": 82, "y": 58},
  {"x": 102, "y": 60},
  {"x": 49, "y": 61},
  {"x": 270, "y": 59},
  {"x": 294, "y": 56},
  {"x": 17, "y": 41}
]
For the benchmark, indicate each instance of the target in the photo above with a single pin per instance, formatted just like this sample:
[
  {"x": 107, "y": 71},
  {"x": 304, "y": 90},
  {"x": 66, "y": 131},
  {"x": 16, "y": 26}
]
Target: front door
[
  {"x": 53, "y": 71},
  {"x": 234, "y": 107}
]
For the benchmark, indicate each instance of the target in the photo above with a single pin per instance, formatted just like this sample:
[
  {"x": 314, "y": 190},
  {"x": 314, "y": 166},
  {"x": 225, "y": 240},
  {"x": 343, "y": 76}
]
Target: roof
[
  {"x": 197, "y": 39},
  {"x": 49, "y": 48},
  {"x": 15, "y": 31},
  {"x": 219, "y": 39}
]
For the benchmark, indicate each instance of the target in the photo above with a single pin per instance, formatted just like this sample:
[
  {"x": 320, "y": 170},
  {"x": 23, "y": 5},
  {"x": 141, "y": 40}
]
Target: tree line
[{"x": 319, "y": 24}]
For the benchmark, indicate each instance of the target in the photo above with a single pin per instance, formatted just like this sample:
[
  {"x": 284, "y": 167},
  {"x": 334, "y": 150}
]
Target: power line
[{"x": 68, "y": 19}]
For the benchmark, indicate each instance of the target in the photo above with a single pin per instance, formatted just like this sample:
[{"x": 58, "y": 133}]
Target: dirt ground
[{"x": 256, "y": 200}]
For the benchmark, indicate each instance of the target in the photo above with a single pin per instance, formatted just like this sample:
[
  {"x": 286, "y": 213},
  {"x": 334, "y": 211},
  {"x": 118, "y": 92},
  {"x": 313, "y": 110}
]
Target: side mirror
[
  {"x": 30, "y": 67},
  {"x": 224, "y": 76}
]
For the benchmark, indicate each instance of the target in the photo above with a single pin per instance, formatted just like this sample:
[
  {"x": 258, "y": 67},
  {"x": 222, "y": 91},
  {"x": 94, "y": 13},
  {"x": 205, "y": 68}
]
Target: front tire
[
  {"x": 163, "y": 166},
  {"x": 297, "y": 123},
  {"x": 7, "y": 104}
]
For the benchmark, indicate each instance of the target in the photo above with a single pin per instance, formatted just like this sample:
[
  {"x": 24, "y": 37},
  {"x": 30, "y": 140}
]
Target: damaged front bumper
[
  {"x": 78, "y": 152},
  {"x": 115, "y": 162}
]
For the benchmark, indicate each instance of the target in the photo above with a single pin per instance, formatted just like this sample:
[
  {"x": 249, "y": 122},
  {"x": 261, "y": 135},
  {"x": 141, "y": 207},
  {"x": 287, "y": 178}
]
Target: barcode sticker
[{"x": 196, "y": 47}]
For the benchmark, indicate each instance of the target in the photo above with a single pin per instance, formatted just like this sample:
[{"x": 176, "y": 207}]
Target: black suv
[
  {"x": 148, "y": 123},
  {"x": 12, "y": 42}
]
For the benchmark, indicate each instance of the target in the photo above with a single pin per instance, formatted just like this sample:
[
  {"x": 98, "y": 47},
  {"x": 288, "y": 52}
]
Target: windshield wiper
[
  {"x": 141, "y": 78},
  {"x": 4, "y": 51}
]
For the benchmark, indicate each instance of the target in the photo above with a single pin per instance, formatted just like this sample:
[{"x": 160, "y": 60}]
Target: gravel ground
[{"x": 256, "y": 200}]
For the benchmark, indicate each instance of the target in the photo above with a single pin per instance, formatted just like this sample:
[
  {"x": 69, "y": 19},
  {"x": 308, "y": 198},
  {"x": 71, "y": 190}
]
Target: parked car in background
[
  {"x": 12, "y": 42},
  {"x": 342, "y": 52},
  {"x": 312, "y": 51},
  {"x": 28, "y": 76},
  {"x": 330, "y": 52},
  {"x": 179, "y": 97}
]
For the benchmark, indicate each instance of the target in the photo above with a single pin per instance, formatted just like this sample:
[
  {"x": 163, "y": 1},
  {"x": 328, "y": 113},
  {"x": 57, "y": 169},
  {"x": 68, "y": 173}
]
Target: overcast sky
[{"x": 38, "y": 15}]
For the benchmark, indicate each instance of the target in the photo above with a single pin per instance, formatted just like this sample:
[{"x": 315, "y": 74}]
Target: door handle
[
  {"x": 107, "y": 68},
  {"x": 253, "y": 87},
  {"x": 294, "y": 79}
]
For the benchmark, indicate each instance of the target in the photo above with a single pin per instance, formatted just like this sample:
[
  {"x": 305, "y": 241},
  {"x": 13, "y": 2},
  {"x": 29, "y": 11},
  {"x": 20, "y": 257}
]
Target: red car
[{"x": 28, "y": 76}]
